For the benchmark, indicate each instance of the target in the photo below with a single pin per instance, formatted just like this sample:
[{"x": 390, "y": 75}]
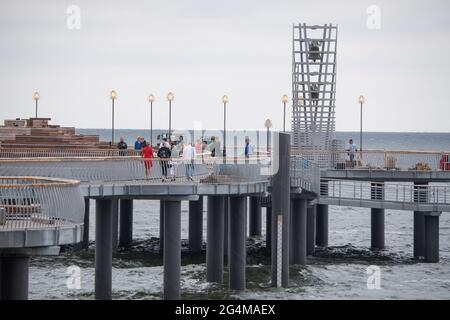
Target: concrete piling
[
  {"x": 299, "y": 213},
  {"x": 255, "y": 217},
  {"x": 237, "y": 238},
  {"x": 281, "y": 190},
  {"x": 432, "y": 237},
  {"x": 214, "y": 239},
  {"x": 14, "y": 277},
  {"x": 172, "y": 249},
  {"x": 103, "y": 248},
  {"x": 126, "y": 223},
  {"x": 196, "y": 225},
  {"x": 310, "y": 229}
]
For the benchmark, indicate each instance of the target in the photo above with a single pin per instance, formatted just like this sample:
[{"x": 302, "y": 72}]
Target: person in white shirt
[
  {"x": 352, "y": 151},
  {"x": 248, "y": 151},
  {"x": 189, "y": 155}
]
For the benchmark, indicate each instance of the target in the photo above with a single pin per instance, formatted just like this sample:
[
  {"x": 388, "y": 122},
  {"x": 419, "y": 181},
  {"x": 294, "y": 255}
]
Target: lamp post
[
  {"x": 285, "y": 99},
  {"x": 224, "y": 101},
  {"x": 170, "y": 98},
  {"x": 151, "y": 99},
  {"x": 268, "y": 125},
  {"x": 113, "y": 96},
  {"x": 36, "y": 98},
  {"x": 361, "y": 100}
]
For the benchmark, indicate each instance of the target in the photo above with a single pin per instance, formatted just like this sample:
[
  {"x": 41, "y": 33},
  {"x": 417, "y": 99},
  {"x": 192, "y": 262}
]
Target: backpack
[{"x": 164, "y": 153}]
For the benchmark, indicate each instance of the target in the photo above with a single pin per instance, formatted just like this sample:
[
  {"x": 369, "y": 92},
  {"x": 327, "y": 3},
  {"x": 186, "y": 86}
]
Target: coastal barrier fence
[{"x": 36, "y": 203}]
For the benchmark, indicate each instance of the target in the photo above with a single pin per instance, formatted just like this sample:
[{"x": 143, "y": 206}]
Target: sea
[{"x": 344, "y": 270}]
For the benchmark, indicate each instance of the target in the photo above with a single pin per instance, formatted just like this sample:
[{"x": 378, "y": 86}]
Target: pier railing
[
  {"x": 304, "y": 173},
  {"x": 392, "y": 192},
  {"x": 39, "y": 203},
  {"x": 380, "y": 160}
]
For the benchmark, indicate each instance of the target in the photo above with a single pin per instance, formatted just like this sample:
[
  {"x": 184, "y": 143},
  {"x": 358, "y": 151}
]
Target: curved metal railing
[{"x": 39, "y": 203}]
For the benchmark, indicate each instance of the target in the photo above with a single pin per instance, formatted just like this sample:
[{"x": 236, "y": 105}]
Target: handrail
[
  {"x": 39, "y": 203},
  {"x": 388, "y": 191}
]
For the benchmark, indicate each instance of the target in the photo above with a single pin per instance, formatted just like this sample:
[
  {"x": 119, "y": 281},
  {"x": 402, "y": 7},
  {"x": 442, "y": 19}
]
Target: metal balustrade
[
  {"x": 387, "y": 192},
  {"x": 39, "y": 203},
  {"x": 380, "y": 160}
]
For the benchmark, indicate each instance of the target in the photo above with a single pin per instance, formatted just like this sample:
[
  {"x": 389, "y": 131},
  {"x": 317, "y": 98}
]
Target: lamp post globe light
[
  {"x": 224, "y": 101},
  {"x": 170, "y": 97},
  {"x": 113, "y": 96},
  {"x": 268, "y": 125},
  {"x": 151, "y": 99},
  {"x": 284, "y": 99},
  {"x": 361, "y": 101},
  {"x": 36, "y": 98}
]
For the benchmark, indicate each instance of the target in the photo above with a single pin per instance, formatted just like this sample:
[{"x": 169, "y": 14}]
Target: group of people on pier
[{"x": 169, "y": 152}]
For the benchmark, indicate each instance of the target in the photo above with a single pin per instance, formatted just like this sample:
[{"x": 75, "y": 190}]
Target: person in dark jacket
[
  {"x": 164, "y": 155},
  {"x": 122, "y": 146}
]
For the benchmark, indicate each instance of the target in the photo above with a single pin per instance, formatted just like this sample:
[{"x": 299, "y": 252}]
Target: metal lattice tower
[{"x": 313, "y": 86}]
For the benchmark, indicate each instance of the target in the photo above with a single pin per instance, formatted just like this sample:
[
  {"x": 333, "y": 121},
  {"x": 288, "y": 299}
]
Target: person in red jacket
[{"x": 147, "y": 154}]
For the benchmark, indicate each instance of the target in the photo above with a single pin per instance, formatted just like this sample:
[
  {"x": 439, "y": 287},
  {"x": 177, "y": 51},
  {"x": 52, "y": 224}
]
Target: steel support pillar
[
  {"x": 14, "y": 277},
  {"x": 237, "y": 238},
  {"x": 255, "y": 217},
  {"x": 115, "y": 226},
  {"x": 299, "y": 213},
  {"x": 226, "y": 227},
  {"x": 377, "y": 218},
  {"x": 432, "y": 237},
  {"x": 161, "y": 225},
  {"x": 214, "y": 239},
  {"x": 172, "y": 249},
  {"x": 85, "y": 244},
  {"x": 103, "y": 248},
  {"x": 281, "y": 193},
  {"x": 126, "y": 223},
  {"x": 268, "y": 227},
  {"x": 310, "y": 229},
  {"x": 196, "y": 225},
  {"x": 420, "y": 196}
]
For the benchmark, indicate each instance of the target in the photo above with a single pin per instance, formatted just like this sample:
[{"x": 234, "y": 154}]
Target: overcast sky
[{"x": 202, "y": 49}]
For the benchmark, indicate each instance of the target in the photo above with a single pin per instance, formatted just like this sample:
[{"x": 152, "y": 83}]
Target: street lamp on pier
[
  {"x": 170, "y": 98},
  {"x": 151, "y": 99},
  {"x": 113, "y": 96},
  {"x": 361, "y": 100},
  {"x": 36, "y": 98},
  {"x": 225, "y": 101},
  {"x": 268, "y": 125},
  {"x": 284, "y": 99}
]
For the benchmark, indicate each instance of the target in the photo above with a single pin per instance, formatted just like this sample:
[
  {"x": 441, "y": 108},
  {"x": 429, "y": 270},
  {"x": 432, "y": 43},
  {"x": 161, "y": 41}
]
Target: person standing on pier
[
  {"x": 212, "y": 146},
  {"x": 164, "y": 155},
  {"x": 352, "y": 152},
  {"x": 189, "y": 155},
  {"x": 147, "y": 154},
  {"x": 122, "y": 146},
  {"x": 248, "y": 151}
]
